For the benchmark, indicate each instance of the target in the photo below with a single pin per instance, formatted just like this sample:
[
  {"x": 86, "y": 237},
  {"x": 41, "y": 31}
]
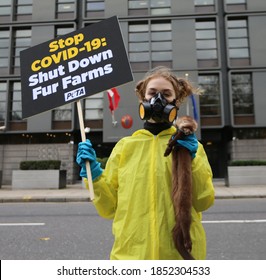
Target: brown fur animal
[{"x": 182, "y": 186}]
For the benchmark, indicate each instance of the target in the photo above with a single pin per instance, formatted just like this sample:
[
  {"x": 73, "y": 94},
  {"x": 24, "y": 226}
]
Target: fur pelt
[{"x": 182, "y": 186}]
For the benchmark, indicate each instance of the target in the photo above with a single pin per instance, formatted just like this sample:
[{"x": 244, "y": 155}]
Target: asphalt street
[{"x": 235, "y": 229}]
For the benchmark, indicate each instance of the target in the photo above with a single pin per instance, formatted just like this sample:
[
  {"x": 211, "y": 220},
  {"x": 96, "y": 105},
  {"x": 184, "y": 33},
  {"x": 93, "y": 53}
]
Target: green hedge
[
  {"x": 40, "y": 164},
  {"x": 247, "y": 162}
]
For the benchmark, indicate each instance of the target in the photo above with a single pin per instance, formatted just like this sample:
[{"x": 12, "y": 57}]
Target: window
[
  {"x": 23, "y": 10},
  {"x": 62, "y": 30},
  {"x": 16, "y": 107},
  {"x": 62, "y": 117},
  {"x": 238, "y": 43},
  {"x": 150, "y": 44},
  {"x": 136, "y": 7},
  {"x": 236, "y": 5},
  {"x": 210, "y": 100},
  {"x": 160, "y": 7},
  {"x": 22, "y": 41},
  {"x": 94, "y": 107},
  {"x": 65, "y": 9},
  {"x": 204, "y": 6},
  {"x": 206, "y": 42},
  {"x": 139, "y": 45},
  {"x": 3, "y": 98},
  {"x": 242, "y": 98},
  {"x": 64, "y": 113},
  {"x": 161, "y": 42},
  {"x": 5, "y": 10},
  {"x": 94, "y": 8},
  {"x": 4, "y": 51},
  {"x": 229, "y": 2},
  {"x": 149, "y": 7}
]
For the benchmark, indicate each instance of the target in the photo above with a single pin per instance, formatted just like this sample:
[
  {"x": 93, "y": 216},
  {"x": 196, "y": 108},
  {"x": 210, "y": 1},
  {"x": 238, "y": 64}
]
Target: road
[
  {"x": 53, "y": 231},
  {"x": 235, "y": 229}
]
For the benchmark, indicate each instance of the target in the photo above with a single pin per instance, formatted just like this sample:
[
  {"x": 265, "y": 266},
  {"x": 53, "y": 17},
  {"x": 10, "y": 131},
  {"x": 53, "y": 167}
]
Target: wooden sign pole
[{"x": 83, "y": 138}]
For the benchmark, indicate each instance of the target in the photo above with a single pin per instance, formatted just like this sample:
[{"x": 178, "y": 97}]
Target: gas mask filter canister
[{"x": 158, "y": 109}]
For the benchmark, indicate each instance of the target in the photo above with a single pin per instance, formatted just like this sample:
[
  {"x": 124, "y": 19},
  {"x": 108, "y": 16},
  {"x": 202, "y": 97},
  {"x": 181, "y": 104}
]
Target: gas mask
[{"x": 158, "y": 109}]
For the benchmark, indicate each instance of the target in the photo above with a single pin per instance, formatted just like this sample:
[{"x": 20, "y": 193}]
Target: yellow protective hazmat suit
[{"x": 135, "y": 191}]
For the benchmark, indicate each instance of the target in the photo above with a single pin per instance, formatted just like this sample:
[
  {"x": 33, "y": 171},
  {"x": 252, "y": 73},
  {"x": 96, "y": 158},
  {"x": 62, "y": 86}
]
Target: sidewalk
[
  {"x": 77, "y": 193},
  {"x": 72, "y": 193}
]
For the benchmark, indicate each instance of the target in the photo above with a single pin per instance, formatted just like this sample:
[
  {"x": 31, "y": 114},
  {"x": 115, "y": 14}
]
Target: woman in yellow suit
[{"x": 135, "y": 188}]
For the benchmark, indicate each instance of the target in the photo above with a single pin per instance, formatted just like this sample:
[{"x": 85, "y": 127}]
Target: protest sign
[{"x": 73, "y": 66}]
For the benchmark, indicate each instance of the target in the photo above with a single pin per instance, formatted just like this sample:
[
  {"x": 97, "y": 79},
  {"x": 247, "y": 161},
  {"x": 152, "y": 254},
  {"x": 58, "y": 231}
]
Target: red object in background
[
  {"x": 127, "y": 121},
  {"x": 114, "y": 98}
]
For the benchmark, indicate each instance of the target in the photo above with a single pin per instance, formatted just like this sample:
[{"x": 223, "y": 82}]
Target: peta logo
[{"x": 74, "y": 93}]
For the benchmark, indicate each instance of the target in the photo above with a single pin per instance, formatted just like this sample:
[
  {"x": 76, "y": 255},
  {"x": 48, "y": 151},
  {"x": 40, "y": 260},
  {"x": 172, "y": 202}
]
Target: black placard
[{"x": 73, "y": 66}]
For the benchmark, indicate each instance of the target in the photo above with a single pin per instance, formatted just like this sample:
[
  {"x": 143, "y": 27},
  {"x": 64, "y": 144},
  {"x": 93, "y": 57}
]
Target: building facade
[{"x": 218, "y": 44}]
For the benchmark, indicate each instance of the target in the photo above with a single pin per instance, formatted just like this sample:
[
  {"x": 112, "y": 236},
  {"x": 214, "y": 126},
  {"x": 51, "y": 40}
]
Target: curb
[
  {"x": 50, "y": 199},
  {"x": 239, "y": 196},
  {"x": 87, "y": 199},
  {"x": 45, "y": 199}
]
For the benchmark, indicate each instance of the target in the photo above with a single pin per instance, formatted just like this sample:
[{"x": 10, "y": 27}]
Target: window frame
[
  {"x": 207, "y": 62},
  {"x": 242, "y": 119},
  {"x": 234, "y": 33},
  {"x": 152, "y": 8},
  {"x": 95, "y": 12},
  {"x": 212, "y": 120},
  {"x": 23, "y": 11},
  {"x": 3, "y": 103},
  {"x": 71, "y": 14},
  {"x": 158, "y": 48}
]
